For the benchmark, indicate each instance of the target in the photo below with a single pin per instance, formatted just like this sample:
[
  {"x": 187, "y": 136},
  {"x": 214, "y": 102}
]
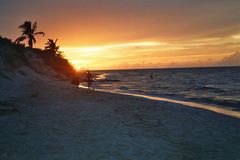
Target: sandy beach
[
  {"x": 45, "y": 120},
  {"x": 120, "y": 80}
]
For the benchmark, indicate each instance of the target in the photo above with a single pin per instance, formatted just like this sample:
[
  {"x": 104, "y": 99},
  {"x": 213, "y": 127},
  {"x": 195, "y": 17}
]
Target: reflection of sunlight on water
[
  {"x": 185, "y": 103},
  {"x": 98, "y": 77},
  {"x": 224, "y": 111},
  {"x": 101, "y": 76},
  {"x": 82, "y": 86},
  {"x": 105, "y": 85}
]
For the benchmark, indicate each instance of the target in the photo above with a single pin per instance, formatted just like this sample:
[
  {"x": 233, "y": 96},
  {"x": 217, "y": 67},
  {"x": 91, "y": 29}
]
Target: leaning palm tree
[
  {"x": 28, "y": 32},
  {"x": 52, "y": 47}
]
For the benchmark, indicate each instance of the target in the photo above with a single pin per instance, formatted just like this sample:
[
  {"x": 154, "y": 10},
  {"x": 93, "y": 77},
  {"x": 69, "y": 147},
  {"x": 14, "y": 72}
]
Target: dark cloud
[
  {"x": 168, "y": 19},
  {"x": 232, "y": 60}
]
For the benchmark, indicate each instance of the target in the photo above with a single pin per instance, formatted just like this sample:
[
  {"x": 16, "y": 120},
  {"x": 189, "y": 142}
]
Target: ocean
[{"x": 218, "y": 86}]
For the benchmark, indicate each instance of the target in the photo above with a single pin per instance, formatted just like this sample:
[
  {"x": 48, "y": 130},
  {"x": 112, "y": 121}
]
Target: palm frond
[
  {"x": 39, "y": 33},
  {"x": 23, "y": 26},
  {"x": 34, "y": 40},
  {"x": 47, "y": 47},
  {"x": 20, "y": 39},
  {"x": 26, "y": 24},
  {"x": 49, "y": 42},
  {"x": 26, "y": 27},
  {"x": 34, "y": 27}
]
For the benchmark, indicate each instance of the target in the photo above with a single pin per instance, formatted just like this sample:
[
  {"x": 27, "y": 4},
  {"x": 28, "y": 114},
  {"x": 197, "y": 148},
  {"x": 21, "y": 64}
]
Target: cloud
[
  {"x": 232, "y": 60},
  {"x": 105, "y": 33},
  {"x": 93, "y": 21}
]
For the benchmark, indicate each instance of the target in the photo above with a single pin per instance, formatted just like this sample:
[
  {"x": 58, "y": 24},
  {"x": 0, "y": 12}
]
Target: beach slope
[{"x": 48, "y": 120}]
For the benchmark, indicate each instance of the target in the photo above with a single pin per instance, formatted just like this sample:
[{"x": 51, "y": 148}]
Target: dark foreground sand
[{"x": 40, "y": 120}]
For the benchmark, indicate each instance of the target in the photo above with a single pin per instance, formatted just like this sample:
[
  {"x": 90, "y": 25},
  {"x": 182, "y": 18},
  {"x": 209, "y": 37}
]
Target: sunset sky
[{"x": 122, "y": 34}]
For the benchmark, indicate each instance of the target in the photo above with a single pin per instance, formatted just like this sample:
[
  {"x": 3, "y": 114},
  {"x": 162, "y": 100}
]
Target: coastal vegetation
[
  {"x": 29, "y": 31},
  {"x": 14, "y": 54}
]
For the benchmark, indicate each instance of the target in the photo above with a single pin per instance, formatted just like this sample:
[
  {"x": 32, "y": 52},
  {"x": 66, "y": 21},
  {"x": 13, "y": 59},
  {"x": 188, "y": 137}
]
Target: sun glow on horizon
[
  {"x": 86, "y": 57},
  {"x": 111, "y": 46},
  {"x": 147, "y": 54}
]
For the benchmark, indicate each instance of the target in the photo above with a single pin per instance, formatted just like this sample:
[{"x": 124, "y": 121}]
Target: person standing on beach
[{"x": 89, "y": 79}]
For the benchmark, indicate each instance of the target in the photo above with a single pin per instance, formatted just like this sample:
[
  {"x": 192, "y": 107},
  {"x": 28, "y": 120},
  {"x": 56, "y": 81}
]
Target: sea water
[{"x": 214, "y": 86}]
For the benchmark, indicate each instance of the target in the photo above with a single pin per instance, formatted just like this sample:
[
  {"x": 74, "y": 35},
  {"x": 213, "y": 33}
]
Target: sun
[{"x": 78, "y": 64}]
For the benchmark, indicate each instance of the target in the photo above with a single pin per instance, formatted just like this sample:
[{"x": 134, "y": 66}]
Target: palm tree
[
  {"x": 52, "y": 47},
  {"x": 28, "y": 32}
]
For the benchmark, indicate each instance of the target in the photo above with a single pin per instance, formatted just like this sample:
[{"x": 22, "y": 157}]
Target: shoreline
[
  {"x": 212, "y": 108},
  {"x": 61, "y": 121}
]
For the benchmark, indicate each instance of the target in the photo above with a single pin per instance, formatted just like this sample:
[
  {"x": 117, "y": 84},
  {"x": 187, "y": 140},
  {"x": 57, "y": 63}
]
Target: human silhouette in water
[
  {"x": 89, "y": 79},
  {"x": 151, "y": 76}
]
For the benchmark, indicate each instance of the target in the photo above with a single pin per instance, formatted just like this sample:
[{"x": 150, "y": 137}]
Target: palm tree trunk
[{"x": 30, "y": 43}]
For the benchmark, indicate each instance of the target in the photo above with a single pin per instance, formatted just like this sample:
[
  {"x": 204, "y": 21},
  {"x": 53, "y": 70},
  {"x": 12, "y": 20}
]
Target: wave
[
  {"x": 221, "y": 102},
  {"x": 210, "y": 88},
  {"x": 224, "y": 111},
  {"x": 108, "y": 80},
  {"x": 124, "y": 88},
  {"x": 234, "y": 105}
]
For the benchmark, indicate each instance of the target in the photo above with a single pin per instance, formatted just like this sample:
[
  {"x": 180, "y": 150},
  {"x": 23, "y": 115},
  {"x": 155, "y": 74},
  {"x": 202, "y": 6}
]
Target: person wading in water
[
  {"x": 89, "y": 79},
  {"x": 151, "y": 76}
]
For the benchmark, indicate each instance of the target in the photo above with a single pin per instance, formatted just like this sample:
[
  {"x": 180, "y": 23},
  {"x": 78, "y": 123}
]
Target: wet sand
[{"x": 47, "y": 120}]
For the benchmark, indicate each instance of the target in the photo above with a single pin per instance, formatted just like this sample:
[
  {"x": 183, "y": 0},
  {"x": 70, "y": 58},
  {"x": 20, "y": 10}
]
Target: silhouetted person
[
  {"x": 151, "y": 76},
  {"x": 89, "y": 79}
]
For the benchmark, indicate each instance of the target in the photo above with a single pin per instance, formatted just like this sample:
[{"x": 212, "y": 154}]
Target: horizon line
[{"x": 164, "y": 68}]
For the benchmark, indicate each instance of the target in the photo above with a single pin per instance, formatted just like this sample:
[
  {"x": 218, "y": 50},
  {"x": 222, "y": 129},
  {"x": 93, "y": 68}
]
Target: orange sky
[{"x": 109, "y": 34}]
